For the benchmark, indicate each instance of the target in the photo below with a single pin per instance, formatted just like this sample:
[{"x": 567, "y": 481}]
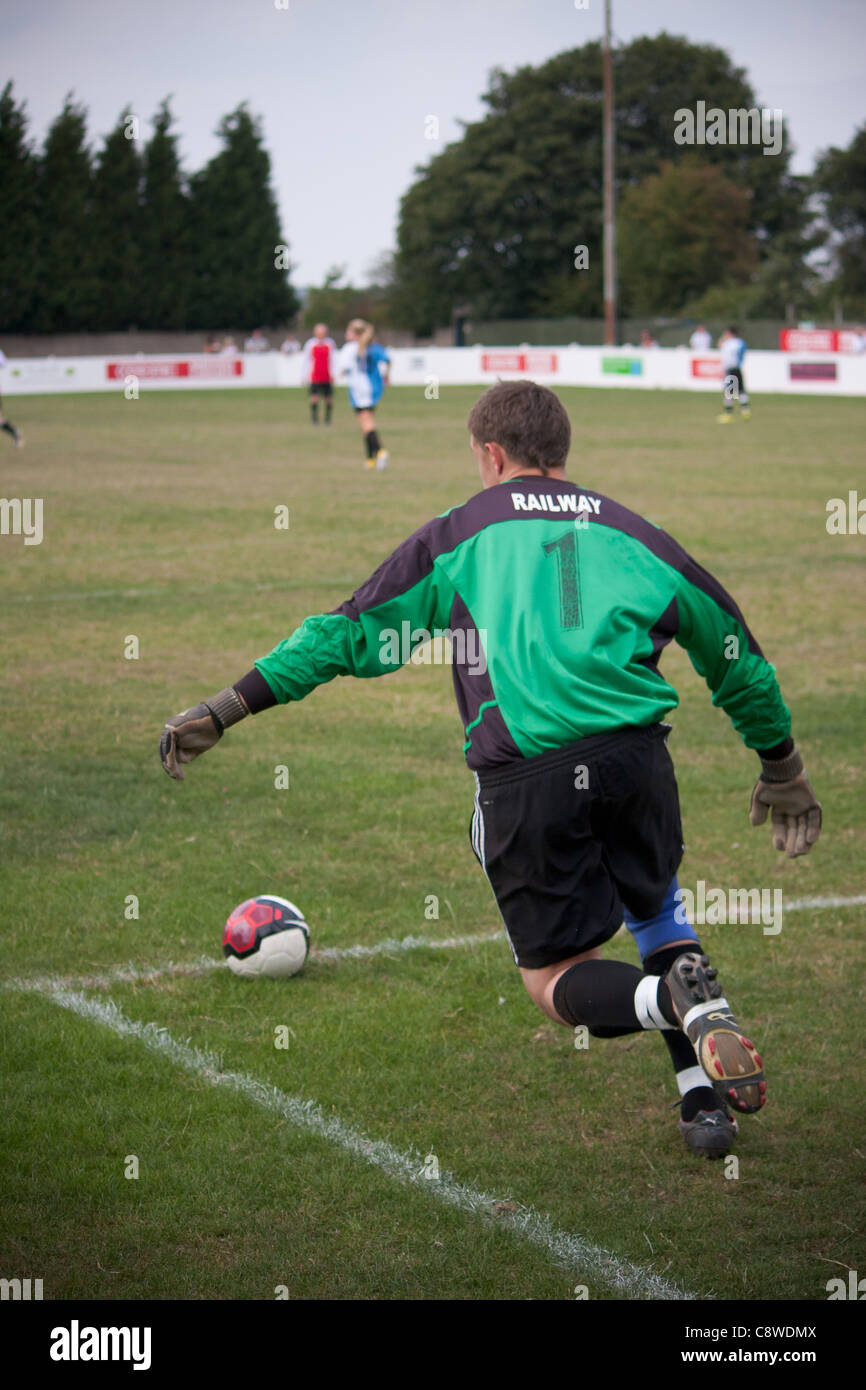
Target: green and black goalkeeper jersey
[{"x": 558, "y": 603}]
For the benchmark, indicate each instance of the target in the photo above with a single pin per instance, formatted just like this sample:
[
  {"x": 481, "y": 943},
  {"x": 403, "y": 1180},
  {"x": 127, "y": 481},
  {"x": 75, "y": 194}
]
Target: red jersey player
[{"x": 320, "y": 354}]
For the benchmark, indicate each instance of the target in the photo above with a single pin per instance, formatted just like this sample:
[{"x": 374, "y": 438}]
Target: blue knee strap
[{"x": 655, "y": 932}]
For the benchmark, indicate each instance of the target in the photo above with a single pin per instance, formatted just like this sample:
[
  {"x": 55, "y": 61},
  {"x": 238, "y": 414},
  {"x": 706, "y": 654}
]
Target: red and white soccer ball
[{"x": 266, "y": 936}]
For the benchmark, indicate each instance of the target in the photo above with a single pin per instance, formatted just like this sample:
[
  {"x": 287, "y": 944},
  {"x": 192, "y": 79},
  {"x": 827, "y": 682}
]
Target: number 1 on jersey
[{"x": 569, "y": 588}]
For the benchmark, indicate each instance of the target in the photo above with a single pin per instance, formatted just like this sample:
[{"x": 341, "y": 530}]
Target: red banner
[
  {"x": 539, "y": 362},
  {"x": 707, "y": 367},
  {"x": 213, "y": 368},
  {"x": 531, "y": 361},
  {"x": 809, "y": 340}
]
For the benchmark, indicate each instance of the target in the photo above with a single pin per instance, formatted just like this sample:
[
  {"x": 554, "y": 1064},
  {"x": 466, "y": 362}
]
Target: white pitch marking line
[
  {"x": 565, "y": 1248},
  {"x": 803, "y": 904},
  {"x": 406, "y": 943},
  {"x": 134, "y": 974},
  {"x": 118, "y": 975}
]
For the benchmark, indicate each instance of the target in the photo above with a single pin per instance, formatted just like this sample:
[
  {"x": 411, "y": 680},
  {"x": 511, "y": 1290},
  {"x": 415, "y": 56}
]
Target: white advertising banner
[{"x": 805, "y": 372}]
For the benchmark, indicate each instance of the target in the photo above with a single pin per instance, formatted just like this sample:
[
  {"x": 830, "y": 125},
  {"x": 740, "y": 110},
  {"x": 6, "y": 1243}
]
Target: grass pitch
[{"x": 159, "y": 526}]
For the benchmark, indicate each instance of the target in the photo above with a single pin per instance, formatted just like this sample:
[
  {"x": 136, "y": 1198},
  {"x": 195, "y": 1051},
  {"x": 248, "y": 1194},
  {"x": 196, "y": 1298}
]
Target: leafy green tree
[
  {"x": 335, "y": 303},
  {"x": 116, "y": 229},
  {"x": 840, "y": 182},
  {"x": 494, "y": 219},
  {"x": 241, "y": 277},
  {"x": 165, "y": 240},
  {"x": 682, "y": 231},
  {"x": 19, "y": 221},
  {"x": 67, "y": 291}
]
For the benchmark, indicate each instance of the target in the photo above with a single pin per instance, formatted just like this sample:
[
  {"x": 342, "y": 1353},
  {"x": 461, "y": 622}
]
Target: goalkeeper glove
[
  {"x": 195, "y": 730},
  {"x": 784, "y": 788}
]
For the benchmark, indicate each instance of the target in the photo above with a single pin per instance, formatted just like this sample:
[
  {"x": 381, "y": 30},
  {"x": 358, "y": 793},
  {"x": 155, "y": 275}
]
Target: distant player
[
  {"x": 320, "y": 356},
  {"x": 733, "y": 349},
  {"x": 366, "y": 364},
  {"x": 701, "y": 340},
  {"x": 5, "y": 424},
  {"x": 576, "y": 821}
]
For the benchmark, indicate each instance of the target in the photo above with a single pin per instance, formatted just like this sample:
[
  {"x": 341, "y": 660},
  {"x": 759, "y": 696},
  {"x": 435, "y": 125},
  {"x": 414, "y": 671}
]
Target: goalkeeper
[{"x": 571, "y": 598}]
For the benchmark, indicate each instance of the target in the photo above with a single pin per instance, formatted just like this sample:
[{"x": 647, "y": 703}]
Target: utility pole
[{"x": 610, "y": 334}]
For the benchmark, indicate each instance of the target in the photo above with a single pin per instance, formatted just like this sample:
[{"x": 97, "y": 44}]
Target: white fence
[{"x": 806, "y": 373}]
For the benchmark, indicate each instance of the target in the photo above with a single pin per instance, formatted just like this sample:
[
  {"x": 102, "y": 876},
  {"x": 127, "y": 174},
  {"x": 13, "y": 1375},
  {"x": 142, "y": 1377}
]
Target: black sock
[
  {"x": 682, "y": 1054},
  {"x": 328, "y": 412},
  {"x": 9, "y": 428},
  {"x": 599, "y": 994},
  {"x": 314, "y": 412},
  {"x": 372, "y": 441}
]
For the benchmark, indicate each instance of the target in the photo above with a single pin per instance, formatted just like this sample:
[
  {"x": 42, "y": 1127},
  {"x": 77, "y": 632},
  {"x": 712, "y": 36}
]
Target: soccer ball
[{"x": 266, "y": 936}]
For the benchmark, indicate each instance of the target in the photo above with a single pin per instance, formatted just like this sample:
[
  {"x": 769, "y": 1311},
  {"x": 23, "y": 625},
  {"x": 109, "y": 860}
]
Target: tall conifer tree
[
  {"x": 67, "y": 290},
  {"x": 166, "y": 262},
  {"x": 236, "y": 234},
  {"x": 19, "y": 220},
  {"x": 116, "y": 223}
]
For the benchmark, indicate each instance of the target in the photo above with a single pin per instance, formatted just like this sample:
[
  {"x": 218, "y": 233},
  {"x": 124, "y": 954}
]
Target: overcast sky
[{"x": 344, "y": 86}]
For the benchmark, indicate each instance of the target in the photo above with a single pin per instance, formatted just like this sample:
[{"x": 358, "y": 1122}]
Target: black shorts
[
  {"x": 734, "y": 374},
  {"x": 358, "y": 408},
  {"x": 569, "y": 838},
  {"x": 321, "y": 388}
]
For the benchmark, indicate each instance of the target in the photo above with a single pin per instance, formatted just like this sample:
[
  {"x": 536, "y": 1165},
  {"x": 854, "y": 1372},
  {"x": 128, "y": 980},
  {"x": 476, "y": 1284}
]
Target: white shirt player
[
  {"x": 364, "y": 377},
  {"x": 701, "y": 340},
  {"x": 732, "y": 350}
]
